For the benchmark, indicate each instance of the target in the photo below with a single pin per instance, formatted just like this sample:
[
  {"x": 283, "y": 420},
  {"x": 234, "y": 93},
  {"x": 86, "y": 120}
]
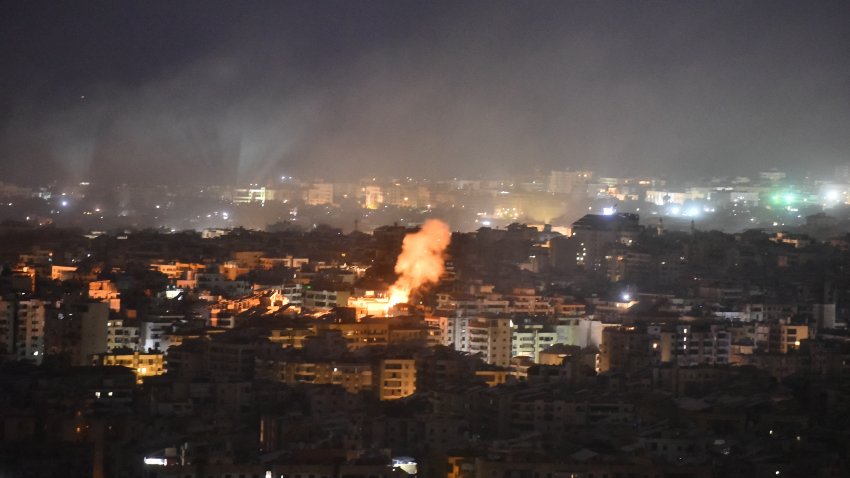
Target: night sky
[{"x": 163, "y": 92}]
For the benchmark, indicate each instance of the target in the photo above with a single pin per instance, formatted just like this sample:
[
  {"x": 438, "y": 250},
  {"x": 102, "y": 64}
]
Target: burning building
[{"x": 420, "y": 264}]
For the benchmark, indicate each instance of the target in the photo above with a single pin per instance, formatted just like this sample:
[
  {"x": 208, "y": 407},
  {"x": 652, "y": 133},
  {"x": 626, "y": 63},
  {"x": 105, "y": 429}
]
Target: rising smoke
[
  {"x": 421, "y": 261},
  {"x": 236, "y": 94}
]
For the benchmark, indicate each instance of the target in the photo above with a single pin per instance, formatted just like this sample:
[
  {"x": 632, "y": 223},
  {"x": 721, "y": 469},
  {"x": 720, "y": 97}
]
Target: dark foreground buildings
[{"x": 619, "y": 350}]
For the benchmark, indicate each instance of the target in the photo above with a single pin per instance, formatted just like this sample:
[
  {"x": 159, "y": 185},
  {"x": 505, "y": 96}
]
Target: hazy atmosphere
[
  {"x": 425, "y": 239},
  {"x": 164, "y": 92}
]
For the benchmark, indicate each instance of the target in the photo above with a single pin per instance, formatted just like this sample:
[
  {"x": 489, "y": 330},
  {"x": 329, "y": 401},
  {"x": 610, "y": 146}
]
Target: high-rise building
[
  {"x": 122, "y": 334},
  {"x": 624, "y": 349},
  {"x": 530, "y": 340},
  {"x": 94, "y": 322},
  {"x": 396, "y": 378},
  {"x": 595, "y": 235},
  {"x": 702, "y": 344},
  {"x": 488, "y": 337},
  {"x": 78, "y": 330},
  {"x": 22, "y": 329}
]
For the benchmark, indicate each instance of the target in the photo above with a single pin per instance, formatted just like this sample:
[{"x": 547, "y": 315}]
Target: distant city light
[{"x": 64, "y": 203}]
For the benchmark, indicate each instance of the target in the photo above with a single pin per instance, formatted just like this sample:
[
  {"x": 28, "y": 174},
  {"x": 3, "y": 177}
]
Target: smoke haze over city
[
  {"x": 220, "y": 92},
  {"x": 404, "y": 239}
]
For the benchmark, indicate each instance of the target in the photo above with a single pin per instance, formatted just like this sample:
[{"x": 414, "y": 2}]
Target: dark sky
[{"x": 181, "y": 91}]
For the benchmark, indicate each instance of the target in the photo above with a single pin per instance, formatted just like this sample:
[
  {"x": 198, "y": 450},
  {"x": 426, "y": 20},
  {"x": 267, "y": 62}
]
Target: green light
[{"x": 789, "y": 198}]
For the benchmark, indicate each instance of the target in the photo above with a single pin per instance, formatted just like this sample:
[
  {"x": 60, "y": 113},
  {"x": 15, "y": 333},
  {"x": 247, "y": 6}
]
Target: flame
[{"x": 421, "y": 260}]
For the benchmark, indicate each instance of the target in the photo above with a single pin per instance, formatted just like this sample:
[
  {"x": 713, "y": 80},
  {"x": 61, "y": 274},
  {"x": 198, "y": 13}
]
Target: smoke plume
[
  {"x": 242, "y": 92},
  {"x": 421, "y": 260}
]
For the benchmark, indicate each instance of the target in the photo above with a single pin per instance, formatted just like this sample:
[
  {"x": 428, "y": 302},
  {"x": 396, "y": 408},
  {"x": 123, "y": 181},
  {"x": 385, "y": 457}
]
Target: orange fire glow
[{"x": 421, "y": 260}]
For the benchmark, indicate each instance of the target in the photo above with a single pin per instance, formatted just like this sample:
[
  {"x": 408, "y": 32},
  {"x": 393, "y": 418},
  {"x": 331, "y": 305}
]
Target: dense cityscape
[
  {"x": 425, "y": 239},
  {"x": 605, "y": 343}
]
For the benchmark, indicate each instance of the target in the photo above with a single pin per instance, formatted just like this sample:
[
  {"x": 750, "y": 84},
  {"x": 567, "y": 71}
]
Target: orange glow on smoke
[{"x": 421, "y": 260}]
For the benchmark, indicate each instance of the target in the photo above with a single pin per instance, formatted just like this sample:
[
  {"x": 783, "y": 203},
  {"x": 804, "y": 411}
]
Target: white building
[
  {"x": 294, "y": 293},
  {"x": 122, "y": 335},
  {"x": 529, "y": 340},
  {"x": 249, "y": 195},
  {"x": 22, "y": 329},
  {"x": 580, "y": 331},
  {"x": 153, "y": 333},
  {"x": 489, "y": 337}
]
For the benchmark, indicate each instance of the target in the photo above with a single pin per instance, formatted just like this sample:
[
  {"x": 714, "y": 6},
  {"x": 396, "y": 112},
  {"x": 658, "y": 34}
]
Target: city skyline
[{"x": 436, "y": 239}]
